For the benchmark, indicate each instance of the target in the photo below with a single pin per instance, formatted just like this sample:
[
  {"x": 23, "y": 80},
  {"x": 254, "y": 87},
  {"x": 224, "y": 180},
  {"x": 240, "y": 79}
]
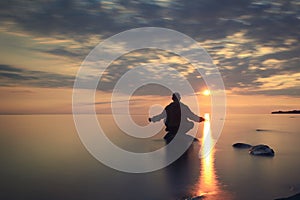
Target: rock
[
  {"x": 261, "y": 130},
  {"x": 261, "y": 150},
  {"x": 196, "y": 198},
  {"x": 295, "y": 197},
  {"x": 241, "y": 145}
]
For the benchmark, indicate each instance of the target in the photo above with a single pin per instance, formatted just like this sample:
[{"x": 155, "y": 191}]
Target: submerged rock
[
  {"x": 261, "y": 130},
  {"x": 261, "y": 150},
  {"x": 196, "y": 198},
  {"x": 241, "y": 145},
  {"x": 295, "y": 197}
]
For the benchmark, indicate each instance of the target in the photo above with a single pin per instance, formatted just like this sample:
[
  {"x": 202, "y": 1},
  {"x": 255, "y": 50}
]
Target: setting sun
[{"x": 206, "y": 92}]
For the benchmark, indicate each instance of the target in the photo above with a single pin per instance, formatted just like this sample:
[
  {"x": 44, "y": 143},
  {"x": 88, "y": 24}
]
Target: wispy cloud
[{"x": 13, "y": 76}]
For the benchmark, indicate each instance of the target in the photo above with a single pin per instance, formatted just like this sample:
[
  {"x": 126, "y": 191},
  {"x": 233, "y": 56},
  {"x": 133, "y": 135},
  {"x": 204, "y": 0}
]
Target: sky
[{"x": 254, "y": 44}]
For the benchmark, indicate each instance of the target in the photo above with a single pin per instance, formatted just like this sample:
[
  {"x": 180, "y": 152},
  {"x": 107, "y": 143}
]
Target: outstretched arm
[
  {"x": 158, "y": 117},
  {"x": 193, "y": 116}
]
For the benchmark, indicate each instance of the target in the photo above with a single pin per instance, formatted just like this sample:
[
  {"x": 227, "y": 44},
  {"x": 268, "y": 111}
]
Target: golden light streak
[
  {"x": 208, "y": 183},
  {"x": 208, "y": 186}
]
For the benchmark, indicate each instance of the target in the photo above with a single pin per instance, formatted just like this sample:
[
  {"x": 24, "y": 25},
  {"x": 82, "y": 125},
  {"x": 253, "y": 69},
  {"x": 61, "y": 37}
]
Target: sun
[{"x": 206, "y": 92}]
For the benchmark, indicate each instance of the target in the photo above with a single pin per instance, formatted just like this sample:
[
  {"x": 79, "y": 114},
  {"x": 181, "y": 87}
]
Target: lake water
[{"x": 42, "y": 157}]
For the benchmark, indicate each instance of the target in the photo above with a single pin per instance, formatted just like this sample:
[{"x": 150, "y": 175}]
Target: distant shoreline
[{"x": 286, "y": 112}]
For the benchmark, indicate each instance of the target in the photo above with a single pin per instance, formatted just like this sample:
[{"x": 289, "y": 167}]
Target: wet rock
[
  {"x": 196, "y": 198},
  {"x": 295, "y": 197},
  {"x": 241, "y": 145},
  {"x": 261, "y": 150},
  {"x": 261, "y": 130}
]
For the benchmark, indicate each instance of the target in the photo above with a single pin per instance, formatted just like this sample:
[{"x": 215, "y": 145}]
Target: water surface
[{"x": 43, "y": 158}]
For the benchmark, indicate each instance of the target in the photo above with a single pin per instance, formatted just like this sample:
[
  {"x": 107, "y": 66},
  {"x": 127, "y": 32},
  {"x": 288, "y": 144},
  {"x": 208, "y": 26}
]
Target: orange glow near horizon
[{"x": 35, "y": 100}]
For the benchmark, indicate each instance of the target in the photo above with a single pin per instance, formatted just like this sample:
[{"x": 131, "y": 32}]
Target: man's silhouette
[{"x": 176, "y": 115}]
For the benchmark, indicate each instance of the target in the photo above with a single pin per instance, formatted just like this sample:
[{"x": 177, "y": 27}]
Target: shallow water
[{"x": 42, "y": 157}]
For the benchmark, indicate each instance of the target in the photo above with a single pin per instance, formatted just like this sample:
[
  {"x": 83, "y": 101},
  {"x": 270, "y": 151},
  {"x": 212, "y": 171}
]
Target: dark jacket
[{"x": 175, "y": 113}]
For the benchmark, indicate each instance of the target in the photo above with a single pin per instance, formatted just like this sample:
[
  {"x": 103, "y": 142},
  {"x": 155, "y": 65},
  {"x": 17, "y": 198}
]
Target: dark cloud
[
  {"x": 11, "y": 76},
  {"x": 213, "y": 19},
  {"x": 275, "y": 21},
  {"x": 8, "y": 68},
  {"x": 195, "y": 18},
  {"x": 57, "y": 17},
  {"x": 67, "y": 53}
]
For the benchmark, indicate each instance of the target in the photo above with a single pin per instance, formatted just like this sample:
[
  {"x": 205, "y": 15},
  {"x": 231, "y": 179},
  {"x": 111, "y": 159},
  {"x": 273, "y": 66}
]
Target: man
[{"x": 177, "y": 115}]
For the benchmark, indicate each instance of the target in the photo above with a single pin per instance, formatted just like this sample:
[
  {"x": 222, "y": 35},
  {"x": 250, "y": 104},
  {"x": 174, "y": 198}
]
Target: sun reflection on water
[{"x": 208, "y": 184}]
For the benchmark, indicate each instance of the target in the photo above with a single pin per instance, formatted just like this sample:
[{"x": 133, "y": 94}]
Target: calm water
[{"x": 43, "y": 158}]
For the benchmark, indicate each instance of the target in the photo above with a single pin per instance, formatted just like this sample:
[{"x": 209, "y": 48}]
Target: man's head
[{"x": 176, "y": 97}]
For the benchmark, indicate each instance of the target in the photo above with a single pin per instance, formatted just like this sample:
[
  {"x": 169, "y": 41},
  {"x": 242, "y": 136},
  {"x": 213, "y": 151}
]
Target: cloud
[
  {"x": 249, "y": 40},
  {"x": 64, "y": 52},
  {"x": 58, "y": 17},
  {"x": 12, "y": 76},
  {"x": 206, "y": 19},
  {"x": 290, "y": 91},
  {"x": 7, "y": 68}
]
